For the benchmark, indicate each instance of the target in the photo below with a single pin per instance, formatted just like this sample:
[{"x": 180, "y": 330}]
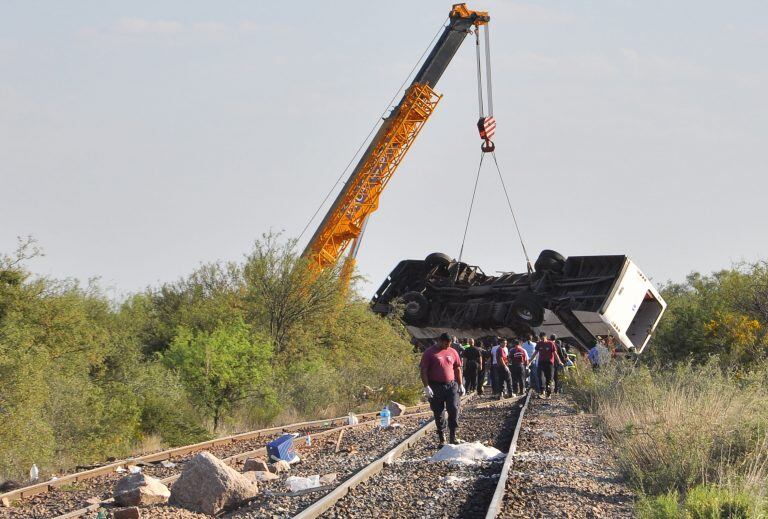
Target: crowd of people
[{"x": 450, "y": 368}]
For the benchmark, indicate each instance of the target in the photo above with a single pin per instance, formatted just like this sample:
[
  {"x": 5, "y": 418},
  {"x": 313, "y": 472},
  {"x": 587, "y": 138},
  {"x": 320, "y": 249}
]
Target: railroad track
[
  {"x": 381, "y": 472},
  {"x": 404, "y": 483},
  {"x": 79, "y": 492}
]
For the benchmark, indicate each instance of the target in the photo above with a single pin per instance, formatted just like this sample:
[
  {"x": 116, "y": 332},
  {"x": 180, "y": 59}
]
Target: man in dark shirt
[
  {"x": 443, "y": 385},
  {"x": 546, "y": 352},
  {"x": 473, "y": 362},
  {"x": 518, "y": 360}
]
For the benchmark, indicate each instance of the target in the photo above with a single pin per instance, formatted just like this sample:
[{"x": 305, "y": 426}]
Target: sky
[{"x": 140, "y": 139}]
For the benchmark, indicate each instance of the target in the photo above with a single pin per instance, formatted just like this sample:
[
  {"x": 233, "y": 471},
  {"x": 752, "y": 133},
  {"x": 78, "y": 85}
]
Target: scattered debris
[
  {"x": 451, "y": 480},
  {"x": 296, "y": 483},
  {"x": 352, "y": 419},
  {"x": 258, "y": 476},
  {"x": 140, "y": 489},
  {"x": 327, "y": 479},
  {"x": 281, "y": 466},
  {"x": 256, "y": 465},
  {"x": 338, "y": 441},
  {"x": 395, "y": 408},
  {"x": 167, "y": 464},
  {"x": 466, "y": 453},
  {"x": 208, "y": 485},
  {"x": 281, "y": 448}
]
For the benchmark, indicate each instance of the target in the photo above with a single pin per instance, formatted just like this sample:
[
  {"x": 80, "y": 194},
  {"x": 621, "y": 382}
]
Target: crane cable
[
  {"x": 471, "y": 205},
  {"x": 529, "y": 266},
  {"x": 373, "y": 129}
]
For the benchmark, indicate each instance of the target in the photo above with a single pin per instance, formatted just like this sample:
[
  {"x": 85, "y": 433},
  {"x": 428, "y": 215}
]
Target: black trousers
[
  {"x": 446, "y": 399},
  {"x": 481, "y": 379},
  {"x": 518, "y": 378},
  {"x": 470, "y": 375},
  {"x": 546, "y": 374},
  {"x": 501, "y": 378}
]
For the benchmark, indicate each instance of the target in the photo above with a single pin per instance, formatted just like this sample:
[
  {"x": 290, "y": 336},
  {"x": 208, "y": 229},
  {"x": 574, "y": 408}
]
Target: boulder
[
  {"x": 127, "y": 513},
  {"x": 395, "y": 409},
  {"x": 281, "y": 466},
  {"x": 140, "y": 489},
  {"x": 208, "y": 485},
  {"x": 260, "y": 475},
  {"x": 256, "y": 465}
]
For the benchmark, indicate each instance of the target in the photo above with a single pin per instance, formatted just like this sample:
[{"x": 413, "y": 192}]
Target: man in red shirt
[
  {"x": 546, "y": 351},
  {"x": 518, "y": 363},
  {"x": 443, "y": 384}
]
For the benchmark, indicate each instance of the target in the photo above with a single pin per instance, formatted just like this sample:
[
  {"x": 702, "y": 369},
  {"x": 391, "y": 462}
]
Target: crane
[{"x": 344, "y": 223}]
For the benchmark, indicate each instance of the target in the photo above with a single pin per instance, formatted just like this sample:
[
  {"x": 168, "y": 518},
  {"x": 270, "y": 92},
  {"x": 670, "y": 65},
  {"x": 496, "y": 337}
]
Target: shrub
[{"x": 679, "y": 427}]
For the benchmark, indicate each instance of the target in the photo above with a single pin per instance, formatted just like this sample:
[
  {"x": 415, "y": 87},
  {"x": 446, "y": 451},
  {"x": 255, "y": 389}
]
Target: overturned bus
[{"x": 580, "y": 299}]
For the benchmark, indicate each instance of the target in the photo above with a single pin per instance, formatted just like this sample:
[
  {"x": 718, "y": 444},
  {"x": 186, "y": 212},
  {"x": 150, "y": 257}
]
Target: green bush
[
  {"x": 243, "y": 345},
  {"x": 702, "y": 502},
  {"x": 665, "y": 506}
]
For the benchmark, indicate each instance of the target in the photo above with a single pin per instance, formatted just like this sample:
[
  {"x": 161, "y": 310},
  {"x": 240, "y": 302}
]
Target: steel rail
[
  {"x": 45, "y": 486},
  {"x": 498, "y": 496},
  {"x": 322, "y": 505},
  {"x": 231, "y": 460}
]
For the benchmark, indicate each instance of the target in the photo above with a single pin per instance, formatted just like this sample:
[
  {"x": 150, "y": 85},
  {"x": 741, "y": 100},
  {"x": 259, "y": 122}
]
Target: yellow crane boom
[{"x": 344, "y": 223}]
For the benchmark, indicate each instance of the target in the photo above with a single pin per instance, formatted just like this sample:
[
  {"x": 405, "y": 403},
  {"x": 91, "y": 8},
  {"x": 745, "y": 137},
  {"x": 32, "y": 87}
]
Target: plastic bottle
[
  {"x": 385, "y": 417},
  {"x": 34, "y": 473},
  {"x": 309, "y": 441}
]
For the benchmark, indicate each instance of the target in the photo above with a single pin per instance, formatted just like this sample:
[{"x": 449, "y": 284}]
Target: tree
[
  {"x": 283, "y": 291},
  {"x": 220, "y": 368}
]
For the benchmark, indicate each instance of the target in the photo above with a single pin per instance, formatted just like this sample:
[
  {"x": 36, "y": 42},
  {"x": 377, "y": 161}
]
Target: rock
[
  {"x": 208, "y": 485},
  {"x": 256, "y": 465},
  {"x": 140, "y": 489},
  {"x": 395, "y": 409},
  {"x": 327, "y": 479},
  {"x": 281, "y": 466},
  {"x": 260, "y": 475},
  {"x": 127, "y": 513}
]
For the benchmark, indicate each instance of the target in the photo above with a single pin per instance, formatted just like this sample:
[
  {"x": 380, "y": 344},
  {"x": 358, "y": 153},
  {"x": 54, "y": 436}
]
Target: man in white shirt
[{"x": 533, "y": 376}]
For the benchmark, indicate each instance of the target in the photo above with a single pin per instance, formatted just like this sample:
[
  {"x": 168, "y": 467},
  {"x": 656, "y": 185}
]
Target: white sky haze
[{"x": 139, "y": 139}]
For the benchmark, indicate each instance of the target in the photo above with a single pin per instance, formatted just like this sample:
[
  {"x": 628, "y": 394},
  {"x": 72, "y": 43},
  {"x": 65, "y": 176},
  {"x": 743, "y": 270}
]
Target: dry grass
[
  {"x": 683, "y": 427},
  {"x": 149, "y": 444}
]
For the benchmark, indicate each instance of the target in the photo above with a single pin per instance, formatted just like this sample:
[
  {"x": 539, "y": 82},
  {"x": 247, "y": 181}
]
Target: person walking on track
[
  {"x": 546, "y": 352},
  {"x": 501, "y": 375},
  {"x": 533, "y": 372},
  {"x": 560, "y": 369},
  {"x": 518, "y": 362},
  {"x": 443, "y": 385},
  {"x": 473, "y": 365},
  {"x": 486, "y": 365}
]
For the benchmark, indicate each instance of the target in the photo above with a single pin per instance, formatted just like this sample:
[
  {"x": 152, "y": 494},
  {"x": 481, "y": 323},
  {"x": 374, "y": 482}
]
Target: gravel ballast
[
  {"x": 413, "y": 486},
  {"x": 564, "y": 467}
]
